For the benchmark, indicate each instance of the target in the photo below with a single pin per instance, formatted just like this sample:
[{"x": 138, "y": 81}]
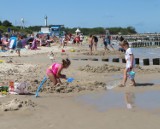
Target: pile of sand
[
  {"x": 10, "y": 68},
  {"x": 75, "y": 86},
  {"x": 103, "y": 53},
  {"x": 16, "y": 104},
  {"x": 100, "y": 69},
  {"x": 140, "y": 69}
]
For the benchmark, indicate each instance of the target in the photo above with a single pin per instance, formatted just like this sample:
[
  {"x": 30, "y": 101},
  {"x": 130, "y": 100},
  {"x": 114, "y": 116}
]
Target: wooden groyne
[
  {"x": 144, "y": 44},
  {"x": 145, "y": 61},
  {"x": 143, "y": 40}
]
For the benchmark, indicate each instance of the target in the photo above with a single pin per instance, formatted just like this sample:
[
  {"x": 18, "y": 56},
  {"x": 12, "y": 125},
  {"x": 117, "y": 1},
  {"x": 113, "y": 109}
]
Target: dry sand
[{"x": 58, "y": 107}]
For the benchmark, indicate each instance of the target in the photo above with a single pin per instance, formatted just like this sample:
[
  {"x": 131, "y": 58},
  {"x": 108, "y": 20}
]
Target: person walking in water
[{"x": 130, "y": 63}]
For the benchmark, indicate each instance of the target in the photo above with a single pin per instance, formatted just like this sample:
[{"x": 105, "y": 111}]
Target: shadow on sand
[{"x": 144, "y": 84}]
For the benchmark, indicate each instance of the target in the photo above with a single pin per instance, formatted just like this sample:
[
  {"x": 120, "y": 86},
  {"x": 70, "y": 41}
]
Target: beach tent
[{"x": 77, "y": 31}]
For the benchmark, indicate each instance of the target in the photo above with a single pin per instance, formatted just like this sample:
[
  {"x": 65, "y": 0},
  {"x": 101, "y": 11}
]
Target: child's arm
[{"x": 59, "y": 75}]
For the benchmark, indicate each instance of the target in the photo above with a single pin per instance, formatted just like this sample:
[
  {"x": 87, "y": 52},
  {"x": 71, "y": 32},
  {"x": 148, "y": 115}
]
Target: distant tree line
[{"x": 86, "y": 31}]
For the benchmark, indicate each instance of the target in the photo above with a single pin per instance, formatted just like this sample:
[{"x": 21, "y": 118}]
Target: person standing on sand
[
  {"x": 108, "y": 41},
  {"x": 95, "y": 40},
  {"x": 54, "y": 71},
  {"x": 130, "y": 63},
  {"x": 90, "y": 42},
  {"x": 19, "y": 45},
  {"x": 105, "y": 43},
  {"x": 65, "y": 40}
]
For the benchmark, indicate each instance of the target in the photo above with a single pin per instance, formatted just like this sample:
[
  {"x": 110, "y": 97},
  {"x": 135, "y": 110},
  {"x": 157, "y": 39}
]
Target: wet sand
[{"x": 86, "y": 103}]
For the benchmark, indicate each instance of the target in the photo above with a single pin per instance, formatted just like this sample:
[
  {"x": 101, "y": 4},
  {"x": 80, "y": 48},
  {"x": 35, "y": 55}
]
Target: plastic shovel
[
  {"x": 40, "y": 86},
  {"x": 70, "y": 80}
]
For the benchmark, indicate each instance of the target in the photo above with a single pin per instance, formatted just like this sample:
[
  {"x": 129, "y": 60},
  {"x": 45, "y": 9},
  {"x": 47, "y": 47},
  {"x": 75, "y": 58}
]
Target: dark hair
[
  {"x": 124, "y": 42},
  {"x": 121, "y": 39},
  {"x": 66, "y": 62}
]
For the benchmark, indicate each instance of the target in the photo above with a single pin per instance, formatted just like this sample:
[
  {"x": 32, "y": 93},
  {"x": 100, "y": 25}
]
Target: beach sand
[{"x": 62, "y": 106}]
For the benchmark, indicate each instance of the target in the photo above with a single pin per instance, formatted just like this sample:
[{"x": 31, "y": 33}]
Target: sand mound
[
  {"x": 100, "y": 69},
  {"x": 140, "y": 69},
  {"x": 75, "y": 86},
  {"x": 103, "y": 53},
  {"x": 11, "y": 69},
  {"x": 16, "y": 104}
]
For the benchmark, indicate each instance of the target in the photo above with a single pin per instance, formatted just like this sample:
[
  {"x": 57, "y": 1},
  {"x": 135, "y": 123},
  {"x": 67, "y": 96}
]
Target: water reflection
[{"x": 128, "y": 99}]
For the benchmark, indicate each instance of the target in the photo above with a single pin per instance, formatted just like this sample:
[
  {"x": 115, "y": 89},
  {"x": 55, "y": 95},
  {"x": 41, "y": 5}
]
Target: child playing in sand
[
  {"x": 54, "y": 71},
  {"x": 130, "y": 63}
]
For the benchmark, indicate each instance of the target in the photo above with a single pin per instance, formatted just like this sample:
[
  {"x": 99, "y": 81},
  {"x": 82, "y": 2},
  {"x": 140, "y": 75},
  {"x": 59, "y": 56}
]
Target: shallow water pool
[{"x": 110, "y": 99}]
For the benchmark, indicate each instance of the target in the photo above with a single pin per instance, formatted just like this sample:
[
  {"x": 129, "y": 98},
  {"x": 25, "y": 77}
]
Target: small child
[
  {"x": 54, "y": 71},
  {"x": 19, "y": 45},
  {"x": 130, "y": 63}
]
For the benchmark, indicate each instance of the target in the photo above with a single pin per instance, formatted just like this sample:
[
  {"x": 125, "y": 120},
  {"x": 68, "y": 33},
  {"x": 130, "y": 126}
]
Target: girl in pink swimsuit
[{"x": 54, "y": 71}]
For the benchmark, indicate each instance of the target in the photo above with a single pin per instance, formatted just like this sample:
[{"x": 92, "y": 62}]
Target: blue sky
[{"x": 144, "y": 15}]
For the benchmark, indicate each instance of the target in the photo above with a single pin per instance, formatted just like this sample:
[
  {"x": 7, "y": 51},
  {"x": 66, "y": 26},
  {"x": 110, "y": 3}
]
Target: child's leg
[
  {"x": 59, "y": 81},
  {"x": 124, "y": 76},
  {"x": 91, "y": 47},
  {"x": 111, "y": 46},
  {"x": 52, "y": 78},
  {"x": 18, "y": 52},
  {"x": 95, "y": 46},
  {"x": 133, "y": 82}
]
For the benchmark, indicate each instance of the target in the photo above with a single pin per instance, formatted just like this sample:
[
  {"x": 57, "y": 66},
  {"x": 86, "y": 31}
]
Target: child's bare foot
[
  {"x": 121, "y": 85},
  {"x": 132, "y": 84}
]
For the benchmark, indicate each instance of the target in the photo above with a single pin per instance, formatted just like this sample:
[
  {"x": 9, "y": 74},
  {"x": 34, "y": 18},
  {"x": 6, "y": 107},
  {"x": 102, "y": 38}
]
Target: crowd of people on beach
[{"x": 19, "y": 41}]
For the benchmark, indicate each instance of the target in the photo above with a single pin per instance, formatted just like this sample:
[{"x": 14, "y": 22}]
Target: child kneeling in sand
[
  {"x": 54, "y": 71},
  {"x": 130, "y": 63}
]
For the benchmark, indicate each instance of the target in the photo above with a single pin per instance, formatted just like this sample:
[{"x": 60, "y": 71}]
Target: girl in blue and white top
[{"x": 130, "y": 63}]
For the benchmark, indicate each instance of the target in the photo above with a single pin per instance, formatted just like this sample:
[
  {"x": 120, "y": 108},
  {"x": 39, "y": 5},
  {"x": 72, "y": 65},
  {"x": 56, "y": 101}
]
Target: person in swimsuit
[
  {"x": 54, "y": 71},
  {"x": 90, "y": 42}
]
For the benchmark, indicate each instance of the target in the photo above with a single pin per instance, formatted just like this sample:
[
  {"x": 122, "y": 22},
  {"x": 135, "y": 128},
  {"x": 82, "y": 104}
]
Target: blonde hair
[
  {"x": 124, "y": 43},
  {"x": 66, "y": 62}
]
